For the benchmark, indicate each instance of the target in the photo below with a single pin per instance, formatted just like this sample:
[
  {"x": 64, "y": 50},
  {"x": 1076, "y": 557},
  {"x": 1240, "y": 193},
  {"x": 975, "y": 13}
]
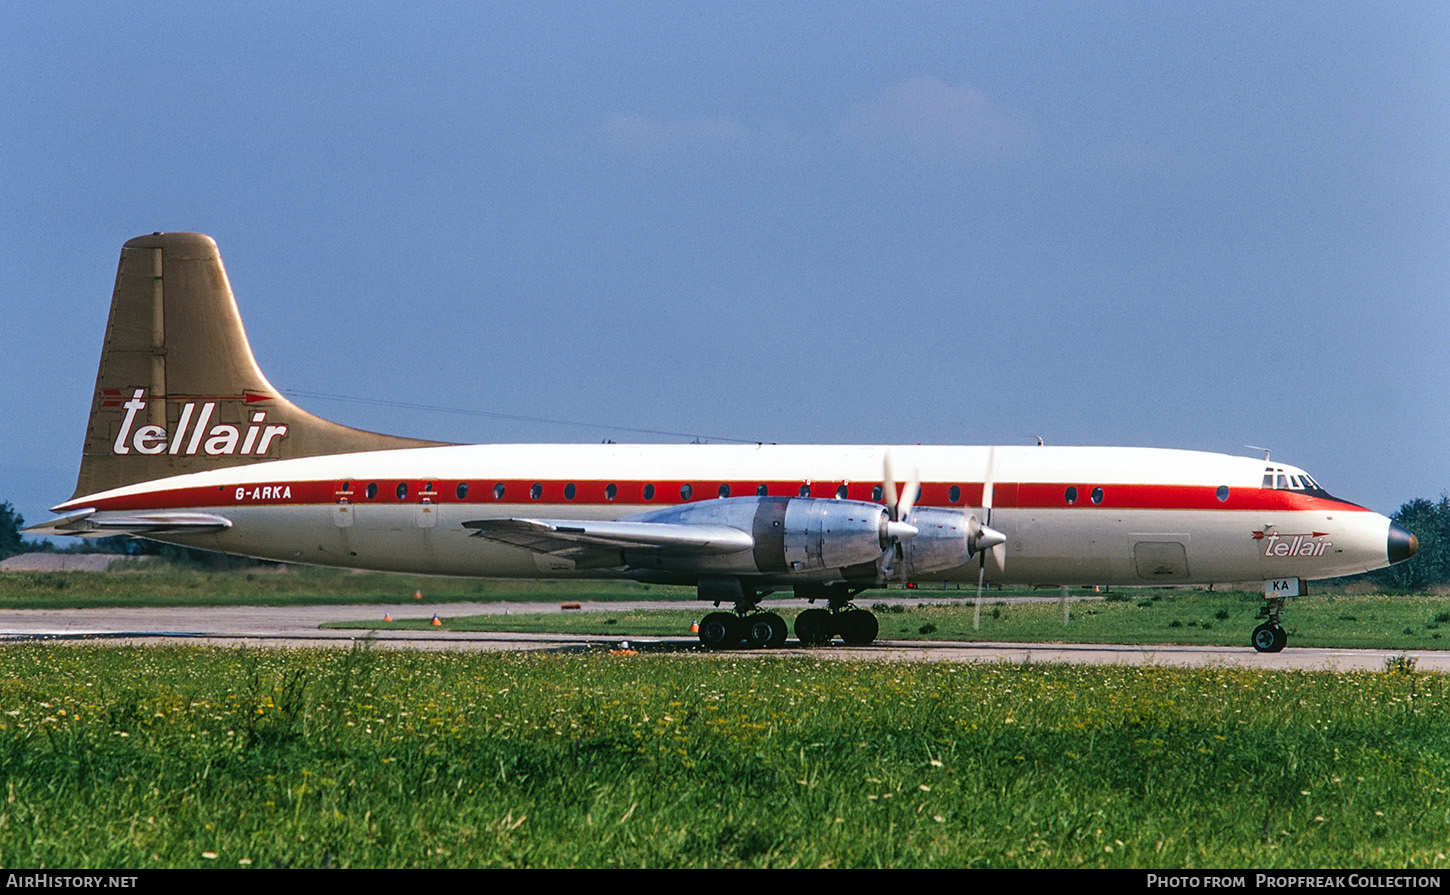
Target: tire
[
  {"x": 765, "y": 630},
  {"x": 814, "y": 627},
  {"x": 1269, "y": 638},
  {"x": 859, "y": 627},
  {"x": 720, "y": 630}
]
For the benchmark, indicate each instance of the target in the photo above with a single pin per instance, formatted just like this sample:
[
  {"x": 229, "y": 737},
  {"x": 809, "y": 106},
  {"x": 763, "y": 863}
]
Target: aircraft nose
[{"x": 1401, "y": 544}]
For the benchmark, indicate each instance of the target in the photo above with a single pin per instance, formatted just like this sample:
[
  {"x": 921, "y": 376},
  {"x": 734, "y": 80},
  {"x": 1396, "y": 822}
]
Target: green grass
[
  {"x": 191, "y": 757},
  {"x": 1400, "y": 622},
  {"x": 1187, "y": 617}
]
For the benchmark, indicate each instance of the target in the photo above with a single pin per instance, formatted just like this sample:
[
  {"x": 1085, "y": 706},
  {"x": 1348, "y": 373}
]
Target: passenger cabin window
[
  {"x": 761, "y": 490},
  {"x": 649, "y": 492},
  {"x": 536, "y": 491},
  {"x": 611, "y": 491},
  {"x": 498, "y": 491},
  {"x": 686, "y": 491},
  {"x": 805, "y": 490},
  {"x": 1222, "y": 493},
  {"x": 877, "y": 493},
  {"x": 461, "y": 490},
  {"x": 724, "y": 490},
  {"x": 372, "y": 490},
  {"x": 402, "y": 490},
  {"x": 1097, "y": 495},
  {"x": 1070, "y": 495},
  {"x": 570, "y": 491},
  {"x": 841, "y": 492},
  {"x": 954, "y": 493}
]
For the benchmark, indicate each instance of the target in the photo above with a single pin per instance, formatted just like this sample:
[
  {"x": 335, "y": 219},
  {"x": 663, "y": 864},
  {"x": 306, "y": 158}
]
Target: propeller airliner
[{"x": 189, "y": 443}]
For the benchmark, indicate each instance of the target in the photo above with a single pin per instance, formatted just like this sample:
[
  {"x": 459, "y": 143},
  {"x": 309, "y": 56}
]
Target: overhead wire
[{"x": 516, "y": 417}]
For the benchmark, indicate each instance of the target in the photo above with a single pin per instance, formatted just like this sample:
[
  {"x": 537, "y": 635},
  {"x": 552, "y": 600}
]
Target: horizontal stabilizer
[
  {"x": 90, "y": 524},
  {"x": 559, "y": 536}
]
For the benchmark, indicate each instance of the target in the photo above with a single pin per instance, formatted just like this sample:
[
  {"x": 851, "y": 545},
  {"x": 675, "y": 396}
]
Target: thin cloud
[{"x": 929, "y": 118}]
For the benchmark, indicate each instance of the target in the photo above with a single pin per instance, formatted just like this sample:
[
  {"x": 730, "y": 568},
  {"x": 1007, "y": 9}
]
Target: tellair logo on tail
[
  {"x": 193, "y": 426},
  {"x": 189, "y": 443}
]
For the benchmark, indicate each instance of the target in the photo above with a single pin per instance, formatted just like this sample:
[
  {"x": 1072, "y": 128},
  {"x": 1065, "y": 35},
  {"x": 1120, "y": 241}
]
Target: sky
[{"x": 1196, "y": 226}]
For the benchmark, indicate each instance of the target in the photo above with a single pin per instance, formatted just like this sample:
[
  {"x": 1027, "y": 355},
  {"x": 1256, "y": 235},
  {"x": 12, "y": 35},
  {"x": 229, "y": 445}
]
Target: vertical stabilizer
[{"x": 178, "y": 390}]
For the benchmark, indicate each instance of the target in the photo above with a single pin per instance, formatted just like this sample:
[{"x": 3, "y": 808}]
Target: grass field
[
  {"x": 1191, "y": 617},
  {"x": 188, "y": 757},
  {"x": 1331, "y": 619},
  {"x": 194, "y": 757}
]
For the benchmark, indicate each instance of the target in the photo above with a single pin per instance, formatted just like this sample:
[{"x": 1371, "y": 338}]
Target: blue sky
[{"x": 1102, "y": 223}]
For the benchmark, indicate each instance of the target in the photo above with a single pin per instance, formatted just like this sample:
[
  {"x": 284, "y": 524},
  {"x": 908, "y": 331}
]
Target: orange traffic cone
[
  {"x": 695, "y": 626},
  {"x": 387, "y": 617},
  {"x": 436, "y": 620},
  {"x": 417, "y": 595}
]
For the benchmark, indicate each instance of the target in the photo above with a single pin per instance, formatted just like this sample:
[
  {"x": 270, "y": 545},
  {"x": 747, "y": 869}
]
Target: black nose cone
[{"x": 1402, "y": 545}]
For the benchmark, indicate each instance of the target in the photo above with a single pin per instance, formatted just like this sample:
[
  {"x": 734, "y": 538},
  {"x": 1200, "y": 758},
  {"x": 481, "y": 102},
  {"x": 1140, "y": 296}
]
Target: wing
[
  {"x": 90, "y": 524},
  {"x": 598, "y": 544}
]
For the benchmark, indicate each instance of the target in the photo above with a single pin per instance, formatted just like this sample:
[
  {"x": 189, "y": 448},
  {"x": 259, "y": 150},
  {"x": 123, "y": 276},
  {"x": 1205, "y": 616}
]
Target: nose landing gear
[{"x": 1270, "y": 637}]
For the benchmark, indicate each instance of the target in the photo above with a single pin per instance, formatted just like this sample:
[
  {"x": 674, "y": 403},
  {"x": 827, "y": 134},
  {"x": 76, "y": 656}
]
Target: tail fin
[{"x": 178, "y": 389}]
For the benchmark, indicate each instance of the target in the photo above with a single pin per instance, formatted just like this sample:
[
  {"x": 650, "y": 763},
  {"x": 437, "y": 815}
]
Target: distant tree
[
  {"x": 10, "y": 524},
  {"x": 1429, "y": 521}
]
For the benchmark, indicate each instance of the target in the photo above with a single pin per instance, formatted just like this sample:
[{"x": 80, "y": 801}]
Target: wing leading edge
[{"x": 567, "y": 537}]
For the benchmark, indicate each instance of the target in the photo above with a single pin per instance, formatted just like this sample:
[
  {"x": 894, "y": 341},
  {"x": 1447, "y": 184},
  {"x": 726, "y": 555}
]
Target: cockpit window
[{"x": 1280, "y": 479}]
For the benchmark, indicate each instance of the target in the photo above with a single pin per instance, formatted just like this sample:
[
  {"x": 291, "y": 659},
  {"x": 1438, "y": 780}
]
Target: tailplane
[{"x": 178, "y": 389}]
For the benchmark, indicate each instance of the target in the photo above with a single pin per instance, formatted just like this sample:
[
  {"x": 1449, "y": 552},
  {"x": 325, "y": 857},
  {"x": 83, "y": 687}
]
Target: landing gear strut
[{"x": 1270, "y": 637}]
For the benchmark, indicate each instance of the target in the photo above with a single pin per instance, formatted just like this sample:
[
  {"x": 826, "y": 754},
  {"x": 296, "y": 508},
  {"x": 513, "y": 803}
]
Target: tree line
[{"x": 1428, "y": 520}]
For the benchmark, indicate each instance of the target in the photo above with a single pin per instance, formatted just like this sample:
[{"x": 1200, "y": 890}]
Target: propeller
[
  {"x": 898, "y": 530},
  {"x": 1001, "y": 556}
]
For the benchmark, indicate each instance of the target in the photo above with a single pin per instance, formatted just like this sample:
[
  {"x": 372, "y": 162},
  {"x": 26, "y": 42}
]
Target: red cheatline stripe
[{"x": 552, "y": 494}]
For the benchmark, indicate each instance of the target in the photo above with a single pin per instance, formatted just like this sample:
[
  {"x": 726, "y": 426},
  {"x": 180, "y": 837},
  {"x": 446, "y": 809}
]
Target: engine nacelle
[
  {"x": 794, "y": 536},
  {"x": 945, "y": 539}
]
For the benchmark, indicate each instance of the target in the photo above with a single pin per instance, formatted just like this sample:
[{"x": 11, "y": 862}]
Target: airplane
[{"x": 188, "y": 443}]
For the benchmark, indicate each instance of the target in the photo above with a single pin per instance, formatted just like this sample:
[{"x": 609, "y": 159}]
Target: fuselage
[{"x": 1073, "y": 515}]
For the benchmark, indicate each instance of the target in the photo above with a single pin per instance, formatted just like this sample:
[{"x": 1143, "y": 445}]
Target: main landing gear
[
  {"x": 816, "y": 627},
  {"x": 1270, "y": 637},
  {"x": 728, "y": 630},
  {"x": 747, "y": 627}
]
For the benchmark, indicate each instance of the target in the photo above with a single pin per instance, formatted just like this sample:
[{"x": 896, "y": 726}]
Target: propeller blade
[
  {"x": 908, "y": 500},
  {"x": 999, "y": 556},
  {"x": 981, "y": 580},
  {"x": 888, "y": 482}
]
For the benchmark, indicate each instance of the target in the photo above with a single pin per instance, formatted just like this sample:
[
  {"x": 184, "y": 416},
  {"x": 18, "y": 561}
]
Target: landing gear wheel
[
  {"x": 720, "y": 630},
  {"x": 764, "y": 631},
  {"x": 1269, "y": 638},
  {"x": 814, "y": 627},
  {"x": 858, "y": 627}
]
